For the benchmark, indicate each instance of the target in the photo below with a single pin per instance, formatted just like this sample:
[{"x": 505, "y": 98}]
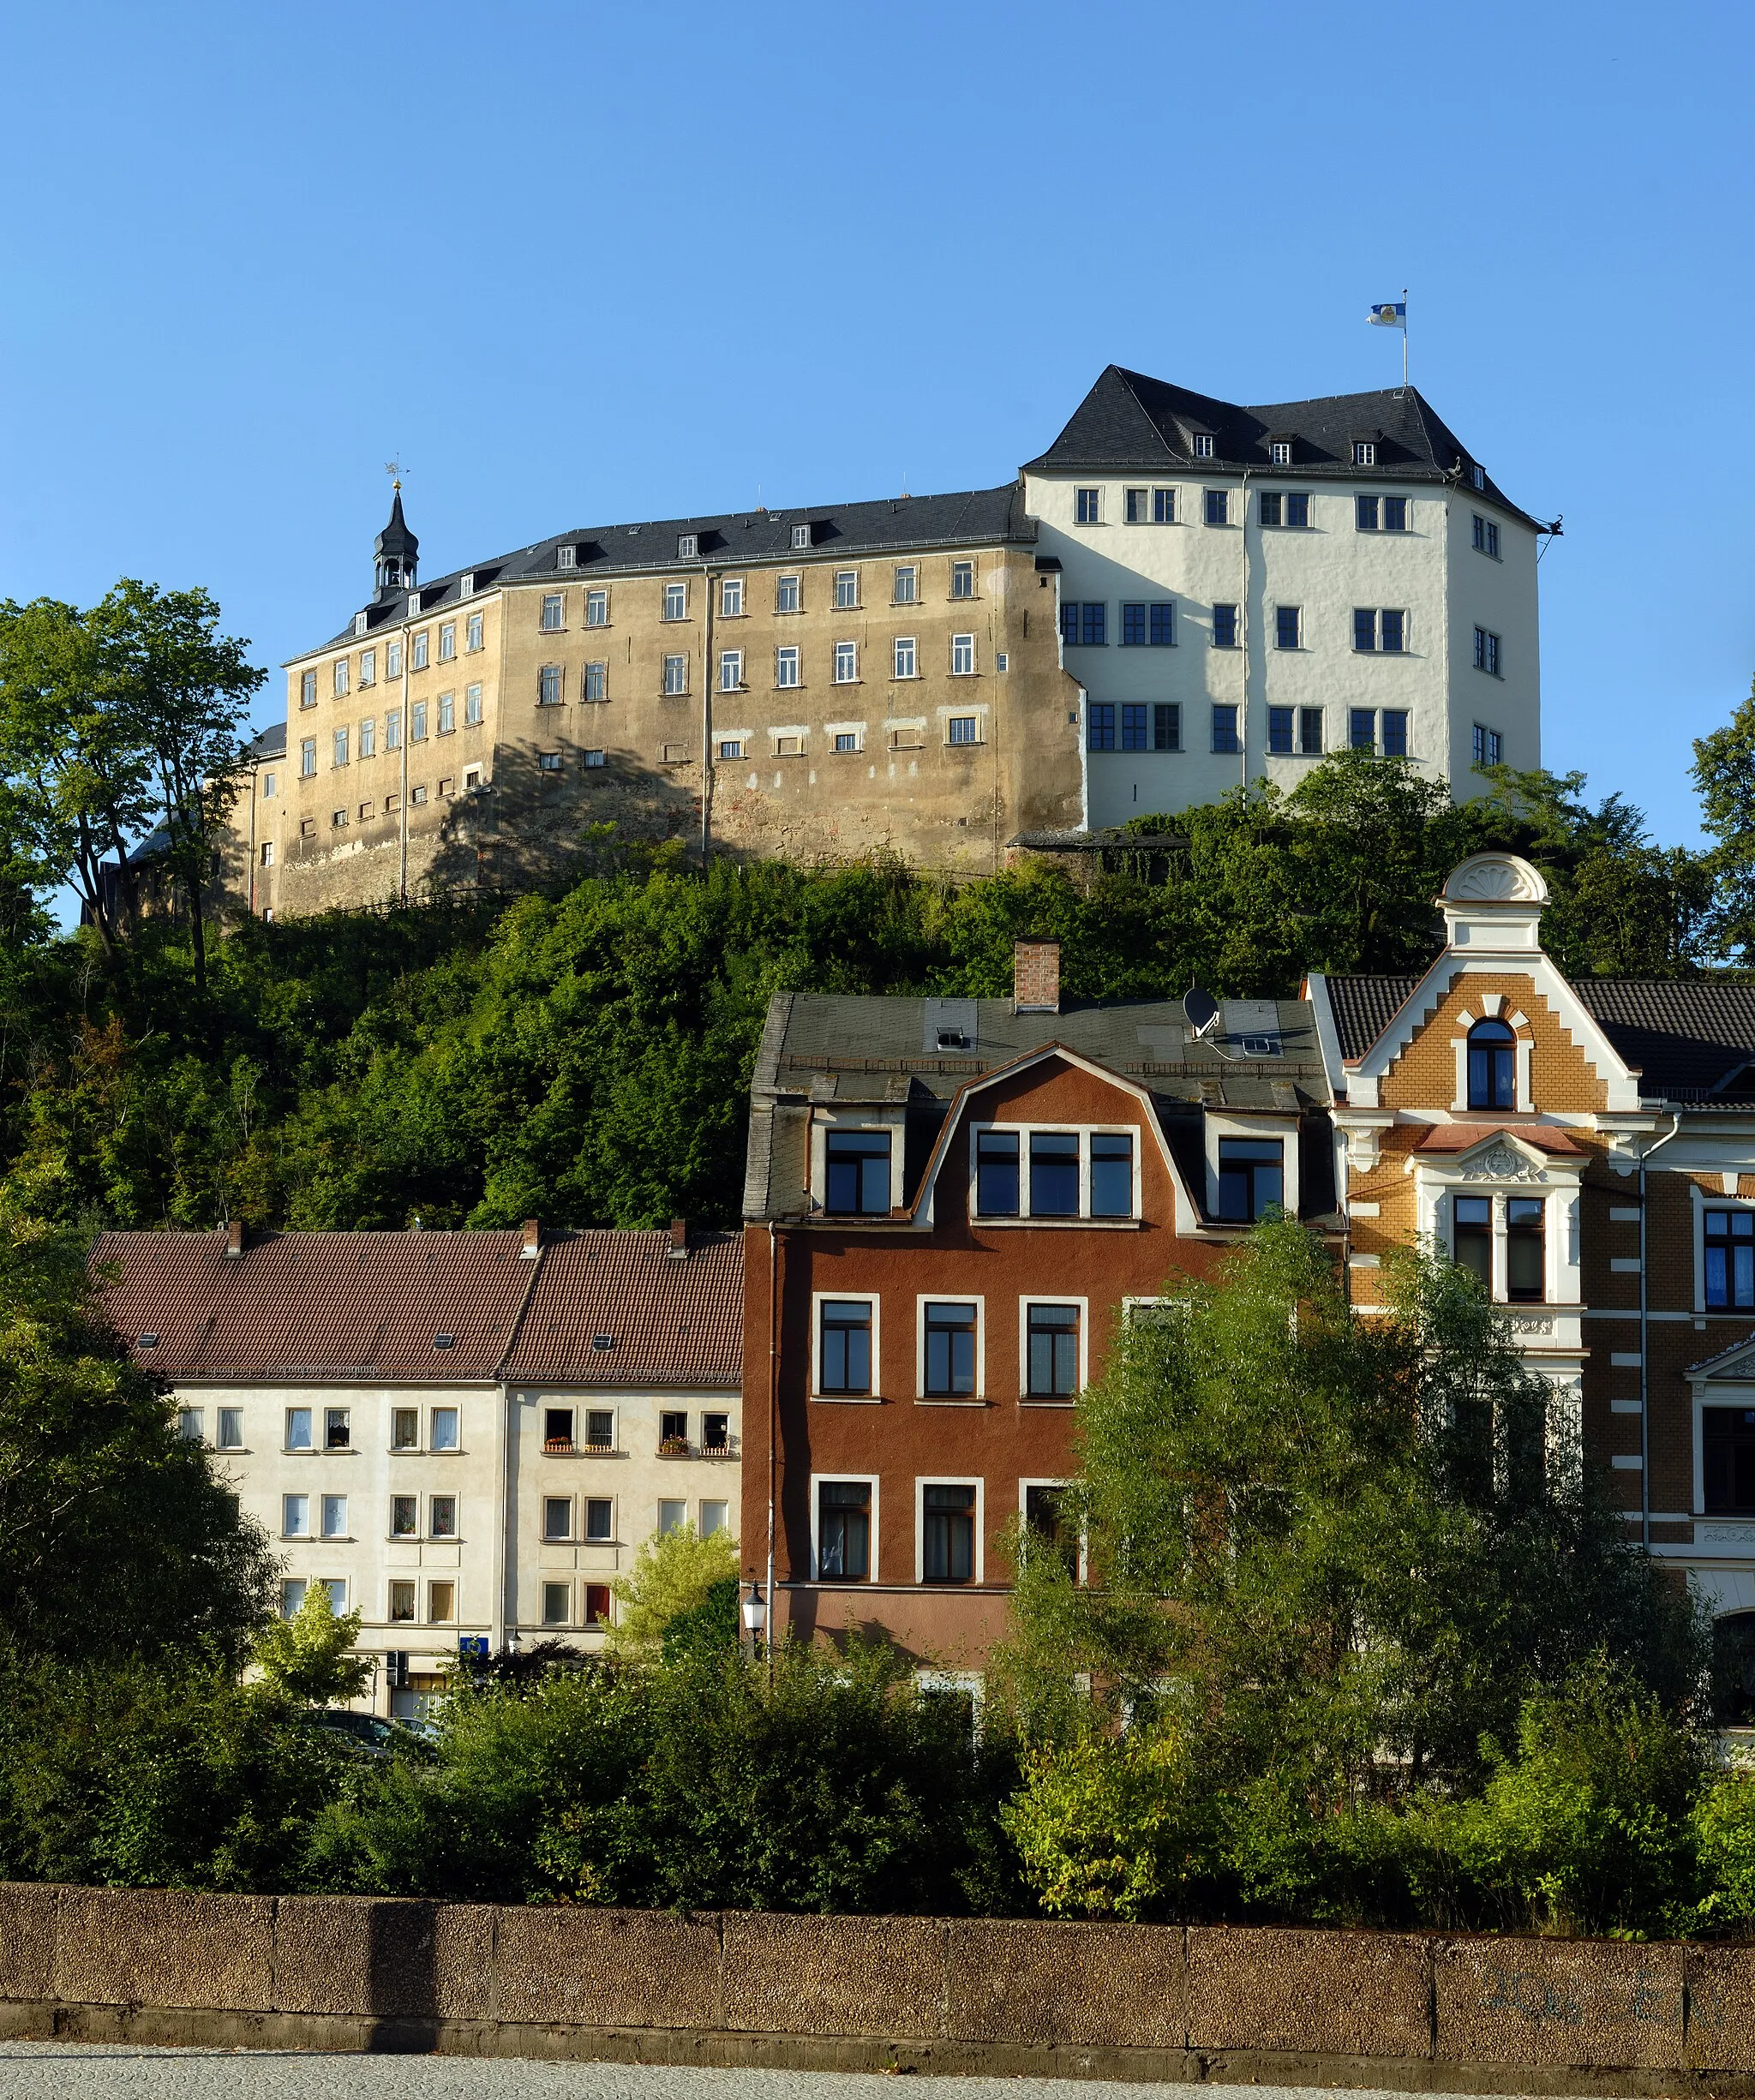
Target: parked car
[{"x": 372, "y": 1733}]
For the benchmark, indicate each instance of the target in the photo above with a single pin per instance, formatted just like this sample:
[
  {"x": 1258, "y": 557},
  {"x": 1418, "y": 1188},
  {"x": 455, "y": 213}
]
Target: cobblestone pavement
[{"x": 77, "y": 2071}]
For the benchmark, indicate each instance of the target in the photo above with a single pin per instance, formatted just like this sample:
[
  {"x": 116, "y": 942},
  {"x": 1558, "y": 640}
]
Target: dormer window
[
  {"x": 566, "y": 557},
  {"x": 466, "y": 584},
  {"x": 856, "y": 1173},
  {"x": 361, "y": 623},
  {"x": 1479, "y": 477},
  {"x": 1279, "y": 452},
  {"x": 1203, "y": 444},
  {"x": 801, "y": 536},
  {"x": 1364, "y": 453},
  {"x": 1493, "y": 1066},
  {"x": 688, "y": 546},
  {"x": 414, "y": 602}
]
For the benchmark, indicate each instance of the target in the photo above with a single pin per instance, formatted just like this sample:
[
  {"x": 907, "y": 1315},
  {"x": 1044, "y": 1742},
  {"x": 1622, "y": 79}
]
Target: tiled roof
[
  {"x": 347, "y": 1304},
  {"x": 1363, "y": 1008},
  {"x": 374, "y": 1304},
  {"x": 1130, "y": 421},
  {"x": 892, "y": 525},
  {"x": 1462, "y": 1137},
  {"x": 669, "y": 1321},
  {"x": 1690, "y": 1037}
]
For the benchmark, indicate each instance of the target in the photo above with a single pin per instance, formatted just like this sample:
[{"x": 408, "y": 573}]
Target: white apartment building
[
  {"x": 1244, "y": 588},
  {"x": 466, "y": 1435}
]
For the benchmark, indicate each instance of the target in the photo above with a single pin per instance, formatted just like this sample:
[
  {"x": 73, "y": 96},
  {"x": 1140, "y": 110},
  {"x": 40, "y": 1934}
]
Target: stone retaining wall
[{"x": 1416, "y": 2011}]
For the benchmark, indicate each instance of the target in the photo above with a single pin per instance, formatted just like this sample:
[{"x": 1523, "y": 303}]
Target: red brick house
[{"x": 948, "y": 1205}]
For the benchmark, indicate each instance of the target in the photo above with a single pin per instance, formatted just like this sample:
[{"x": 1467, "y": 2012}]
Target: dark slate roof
[
  {"x": 1130, "y": 422},
  {"x": 669, "y": 1321},
  {"x": 1692, "y": 1039},
  {"x": 840, "y": 1049},
  {"x": 896, "y": 525},
  {"x": 1363, "y": 1008},
  {"x": 345, "y": 1305},
  {"x": 269, "y": 743},
  {"x": 396, "y": 538}
]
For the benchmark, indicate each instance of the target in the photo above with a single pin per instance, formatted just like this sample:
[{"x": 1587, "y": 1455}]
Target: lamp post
[{"x": 755, "y": 1619}]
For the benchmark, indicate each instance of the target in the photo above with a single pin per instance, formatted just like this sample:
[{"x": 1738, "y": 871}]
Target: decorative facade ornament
[
  {"x": 1529, "y": 1323},
  {"x": 1497, "y": 878},
  {"x": 1500, "y": 1163}
]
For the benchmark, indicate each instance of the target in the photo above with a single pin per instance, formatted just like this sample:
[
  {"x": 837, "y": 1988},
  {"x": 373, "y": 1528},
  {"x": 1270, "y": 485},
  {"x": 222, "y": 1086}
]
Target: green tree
[
  {"x": 309, "y": 1657},
  {"x": 676, "y": 1575},
  {"x": 1723, "y": 773},
  {"x": 1340, "y": 1548},
  {"x": 116, "y": 1537},
  {"x": 179, "y": 696}
]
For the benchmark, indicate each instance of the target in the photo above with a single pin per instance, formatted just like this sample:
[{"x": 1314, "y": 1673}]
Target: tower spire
[{"x": 396, "y": 553}]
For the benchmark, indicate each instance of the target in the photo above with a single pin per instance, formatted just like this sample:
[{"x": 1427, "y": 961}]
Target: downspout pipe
[
  {"x": 1675, "y": 1124},
  {"x": 773, "y": 1421}
]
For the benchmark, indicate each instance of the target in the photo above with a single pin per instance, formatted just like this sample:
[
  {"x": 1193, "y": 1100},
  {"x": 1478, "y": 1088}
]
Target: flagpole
[{"x": 1405, "y": 339}]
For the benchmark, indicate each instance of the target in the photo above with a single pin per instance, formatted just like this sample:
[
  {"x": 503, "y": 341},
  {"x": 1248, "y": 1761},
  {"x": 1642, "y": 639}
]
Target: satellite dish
[{"x": 1201, "y": 1009}]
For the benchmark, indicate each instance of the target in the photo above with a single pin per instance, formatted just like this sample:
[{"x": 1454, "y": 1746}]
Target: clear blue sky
[{"x": 586, "y": 263}]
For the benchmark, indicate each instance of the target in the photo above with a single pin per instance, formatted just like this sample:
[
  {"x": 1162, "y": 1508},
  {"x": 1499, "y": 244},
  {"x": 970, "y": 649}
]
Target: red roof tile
[
  {"x": 318, "y": 1304},
  {"x": 375, "y": 1305},
  {"x": 669, "y": 1322},
  {"x": 1459, "y": 1137}
]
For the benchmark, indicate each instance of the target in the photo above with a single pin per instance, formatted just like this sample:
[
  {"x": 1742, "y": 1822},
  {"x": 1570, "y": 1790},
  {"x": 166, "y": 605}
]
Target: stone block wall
[{"x": 1417, "y": 2012}]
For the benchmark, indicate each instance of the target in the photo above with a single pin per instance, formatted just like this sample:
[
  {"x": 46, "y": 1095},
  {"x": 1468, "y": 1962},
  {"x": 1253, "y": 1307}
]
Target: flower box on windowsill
[{"x": 674, "y": 1447}]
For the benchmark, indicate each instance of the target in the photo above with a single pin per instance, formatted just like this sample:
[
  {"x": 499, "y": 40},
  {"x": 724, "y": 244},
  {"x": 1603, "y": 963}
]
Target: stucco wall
[{"x": 1005, "y": 1996}]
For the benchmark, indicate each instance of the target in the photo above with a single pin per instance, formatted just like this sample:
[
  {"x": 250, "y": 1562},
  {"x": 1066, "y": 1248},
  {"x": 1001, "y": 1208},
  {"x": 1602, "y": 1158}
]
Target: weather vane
[{"x": 393, "y": 469}]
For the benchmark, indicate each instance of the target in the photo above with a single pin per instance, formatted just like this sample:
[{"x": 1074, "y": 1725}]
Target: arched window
[{"x": 1493, "y": 1066}]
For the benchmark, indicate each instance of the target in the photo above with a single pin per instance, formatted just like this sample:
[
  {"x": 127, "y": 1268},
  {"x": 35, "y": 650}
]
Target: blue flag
[{"x": 1392, "y": 313}]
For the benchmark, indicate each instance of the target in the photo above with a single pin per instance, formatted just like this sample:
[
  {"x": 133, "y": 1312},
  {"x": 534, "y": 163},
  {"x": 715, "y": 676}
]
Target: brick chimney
[
  {"x": 679, "y": 1248},
  {"x": 533, "y": 1240},
  {"x": 234, "y": 1238},
  {"x": 1035, "y": 976}
]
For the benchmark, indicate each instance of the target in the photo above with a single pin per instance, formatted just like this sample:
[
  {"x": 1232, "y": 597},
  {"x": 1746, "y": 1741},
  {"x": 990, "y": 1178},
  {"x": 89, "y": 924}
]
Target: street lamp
[{"x": 755, "y": 1615}]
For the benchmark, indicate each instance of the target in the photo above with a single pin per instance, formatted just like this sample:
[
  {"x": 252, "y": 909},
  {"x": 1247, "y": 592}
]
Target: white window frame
[
  {"x": 1236, "y": 1123},
  {"x": 676, "y": 601},
  {"x": 1364, "y": 453},
  {"x": 731, "y": 597},
  {"x": 1493, "y": 1006},
  {"x": 566, "y": 557},
  {"x": 679, "y": 664},
  {"x": 596, "y": 603},
  {"x": 1026, "y": 1300},
  {"x": 1203, "y": 444},
  {"x": 471, "y": 707},
  {"x": 800, "y": 538},
  {"x": 855, "y": 1117},
  {"x": 847, "y": 663},
  {"x": 1026, "y": 1482},
  {"x": 781, "y": 581},
  {"x": 978, "y": 1398},
  {"x": 301, "y": 1496},
  {"x": 788, "y": 657},
  {"x": 912, "y": 571},
  {"x": 447, "y": 641},
  {"x": 817, "y": 1480},
  {"x": 393, "y": 659},
  {"x": 324, "y": 1504},
  {"x": 368, "y": 737},
  {"x": 818, "y": 1299},
  {"x": 962, "y": 646},
  {"x": 898, "y": 645},
  {"x": 1084, "y": 1133},
  {"x": 850, "y": 604},
  {"x": 855, "y": 730},
  {"x": 688, "y": 546},
  {"x": 922, "y": 1482},
  {"x": 731, "y": 670},
  {"x": 570, "y": 1536},
  {"x": 1559, "y": 1185},
  {"x": 556, "y": 600},
  {"x": 340, "y": 678},
  {"x": 1279, "y": 452},
  {"x": 1701, "y": 1201}
]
